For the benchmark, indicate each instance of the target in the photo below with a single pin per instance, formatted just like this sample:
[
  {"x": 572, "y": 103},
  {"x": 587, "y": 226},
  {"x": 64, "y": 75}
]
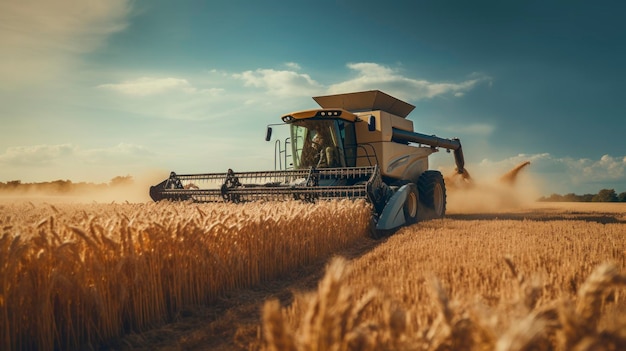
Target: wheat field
[
  {"x": 128, "y": 276},
  {"x": 468, "y": 285},
  {"x": 76, "y": 276}
]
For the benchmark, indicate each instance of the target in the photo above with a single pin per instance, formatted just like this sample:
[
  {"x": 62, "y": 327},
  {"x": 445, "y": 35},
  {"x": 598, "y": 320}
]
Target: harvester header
[{"x": 358, "y": 145}]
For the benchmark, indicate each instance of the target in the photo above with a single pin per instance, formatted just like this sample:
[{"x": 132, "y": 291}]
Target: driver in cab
[{"x": 325, "y": 152}]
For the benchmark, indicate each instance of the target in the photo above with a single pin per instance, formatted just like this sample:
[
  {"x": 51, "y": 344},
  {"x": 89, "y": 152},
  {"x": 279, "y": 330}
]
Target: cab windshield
[{"x": 317, "y": 143}]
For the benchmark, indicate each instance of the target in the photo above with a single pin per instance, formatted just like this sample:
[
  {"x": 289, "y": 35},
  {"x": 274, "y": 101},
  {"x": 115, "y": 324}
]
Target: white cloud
[
  {"x": 293, "y": 65},
  {"x": 280, "y": 83},
  {"x": 172, "y": 97},
  {"x": 120, "y": 153},
  {"x": 41, "y": 39},
  {"x": 146, "y": 86},
  {"x": 181, "y": 97},
  {"x": 43, "y": 155},
  {"x": 376, "y": 76},
  {"x": 564, "y": 174},
  {"x": 35, "y": 154},
  {"x": 369, "y": 76},
  {"x": 606, "y": 169},
  {"x": 219, "y": 73}
]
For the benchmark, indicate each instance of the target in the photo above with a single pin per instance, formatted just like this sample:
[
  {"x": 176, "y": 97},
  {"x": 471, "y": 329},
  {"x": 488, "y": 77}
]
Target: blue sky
[{"x": 93, "y": 89}]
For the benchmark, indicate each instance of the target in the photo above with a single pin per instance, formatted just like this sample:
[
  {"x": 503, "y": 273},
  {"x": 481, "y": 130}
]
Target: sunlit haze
[{"x": 90, "y": 90}]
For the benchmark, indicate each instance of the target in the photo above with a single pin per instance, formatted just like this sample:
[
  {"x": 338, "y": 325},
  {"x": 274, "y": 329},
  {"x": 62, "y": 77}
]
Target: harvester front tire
[
  {"x": 432, "y": 193},
  {"x": 377, "y": 234},
  {"x": 411, "y": 205}
]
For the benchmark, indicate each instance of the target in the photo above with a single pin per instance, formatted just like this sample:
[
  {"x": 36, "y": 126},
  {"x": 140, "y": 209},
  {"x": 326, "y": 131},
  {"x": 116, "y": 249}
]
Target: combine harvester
[{"x": 357, "y": 146}]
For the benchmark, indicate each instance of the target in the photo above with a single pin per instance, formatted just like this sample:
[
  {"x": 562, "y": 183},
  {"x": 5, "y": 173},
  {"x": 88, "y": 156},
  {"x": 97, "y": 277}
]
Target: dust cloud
[
  {"x": 134, "y": 191},
  {"x": 492, "y": 191},
  {"x": 137, "y": 192}
]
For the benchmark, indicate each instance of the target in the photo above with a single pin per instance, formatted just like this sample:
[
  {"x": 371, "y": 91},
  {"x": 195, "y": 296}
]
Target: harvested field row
[
  {"x": 467, "y": 285},
  {"x": 75, "y": 276}
]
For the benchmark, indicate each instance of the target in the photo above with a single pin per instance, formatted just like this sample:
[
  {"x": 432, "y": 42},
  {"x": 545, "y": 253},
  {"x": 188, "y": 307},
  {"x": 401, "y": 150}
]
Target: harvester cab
[{"x": 357, "y": 145}]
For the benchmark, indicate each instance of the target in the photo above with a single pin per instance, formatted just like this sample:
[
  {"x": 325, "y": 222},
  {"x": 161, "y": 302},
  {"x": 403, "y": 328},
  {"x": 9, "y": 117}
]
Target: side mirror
[
  {"x": 268, "y": 134},
  {"x": 371, "y": 123}
]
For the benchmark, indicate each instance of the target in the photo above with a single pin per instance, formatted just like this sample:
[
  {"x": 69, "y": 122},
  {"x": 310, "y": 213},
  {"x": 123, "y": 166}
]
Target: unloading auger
[{"x": 357, "y": 146}]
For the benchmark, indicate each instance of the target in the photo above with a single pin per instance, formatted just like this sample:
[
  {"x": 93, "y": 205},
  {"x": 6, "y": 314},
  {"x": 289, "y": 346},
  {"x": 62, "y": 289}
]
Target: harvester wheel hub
[
  {"x": 438, "y": 200},
  {"x": 411, "y": 204}
]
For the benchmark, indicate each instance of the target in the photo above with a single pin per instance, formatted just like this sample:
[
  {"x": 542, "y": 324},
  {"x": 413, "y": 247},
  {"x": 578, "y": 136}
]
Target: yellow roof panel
[{"x": 366, "y": 101}]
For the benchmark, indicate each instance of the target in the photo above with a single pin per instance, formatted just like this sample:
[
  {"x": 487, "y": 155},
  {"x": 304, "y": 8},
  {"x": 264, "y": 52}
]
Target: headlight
[{"x": 328, "y": 113}]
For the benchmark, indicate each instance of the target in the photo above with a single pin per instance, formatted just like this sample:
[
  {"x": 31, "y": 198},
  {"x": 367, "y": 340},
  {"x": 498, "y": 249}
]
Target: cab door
[{"x": 320, "y": 143}]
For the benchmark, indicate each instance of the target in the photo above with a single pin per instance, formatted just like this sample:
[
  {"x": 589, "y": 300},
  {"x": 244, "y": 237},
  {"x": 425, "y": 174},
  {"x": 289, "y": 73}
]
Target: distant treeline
[
  {"x": 61, "y": 187},
  {"x": 604, "y": 195}
]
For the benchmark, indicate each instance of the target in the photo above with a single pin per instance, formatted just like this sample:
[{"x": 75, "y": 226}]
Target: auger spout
[{"x": 454, "y": 144}]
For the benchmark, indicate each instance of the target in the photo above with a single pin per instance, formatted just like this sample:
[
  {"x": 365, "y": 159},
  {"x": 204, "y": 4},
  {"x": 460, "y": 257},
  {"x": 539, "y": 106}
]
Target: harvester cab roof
[{"x": 366, "y": 101}]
